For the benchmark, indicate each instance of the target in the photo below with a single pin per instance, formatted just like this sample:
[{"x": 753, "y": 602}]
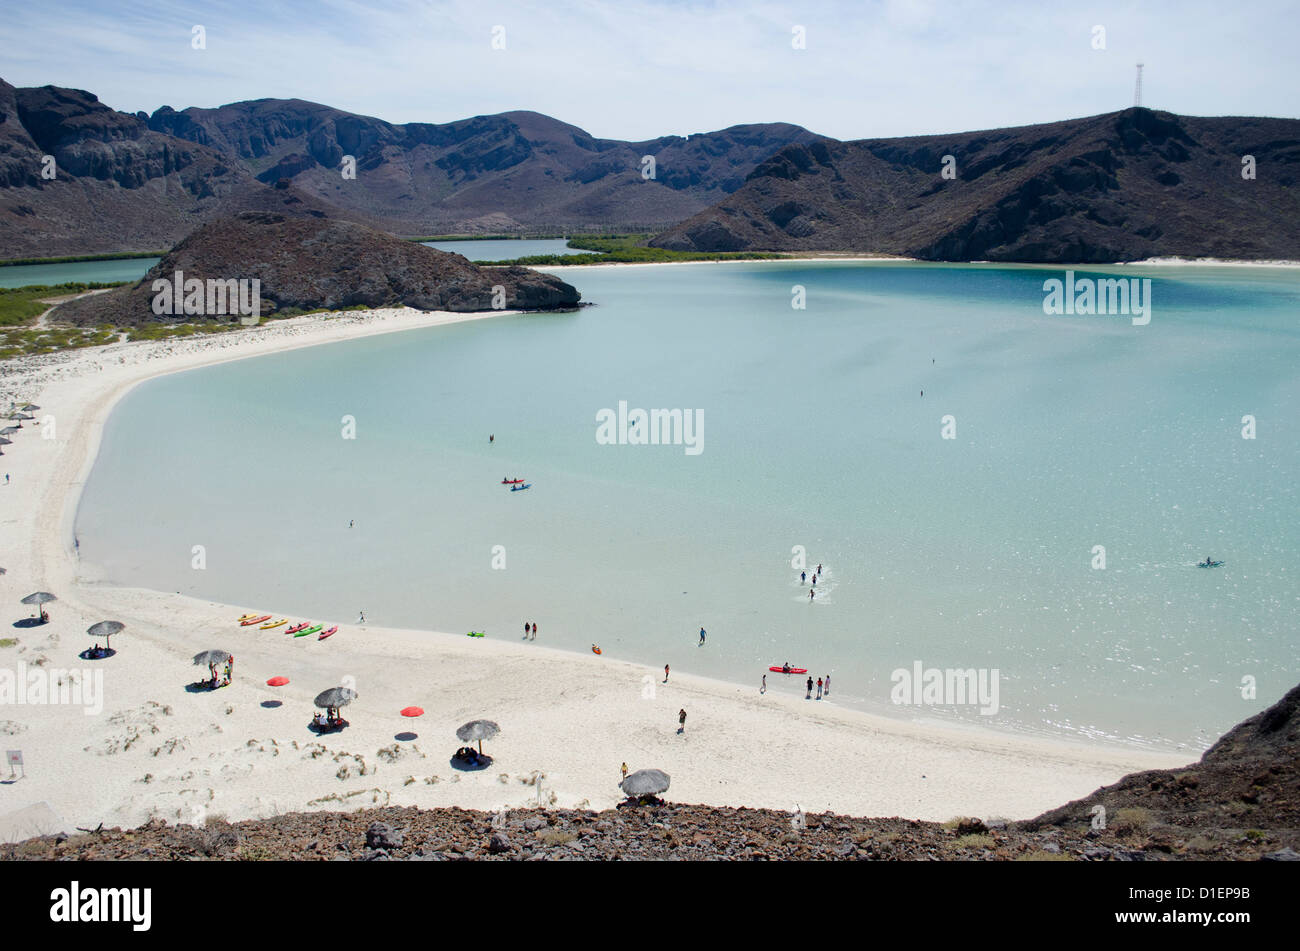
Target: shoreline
[{"x": 543, "y": 697}]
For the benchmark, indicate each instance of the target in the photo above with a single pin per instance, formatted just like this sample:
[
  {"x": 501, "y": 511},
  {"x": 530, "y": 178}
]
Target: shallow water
[
  {"x": 972, "y": 552},
  {"x": 132, "y": 269}
]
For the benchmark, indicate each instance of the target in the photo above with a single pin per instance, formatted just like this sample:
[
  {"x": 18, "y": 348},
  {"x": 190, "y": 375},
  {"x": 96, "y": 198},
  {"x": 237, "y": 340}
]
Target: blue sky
[{"x": 634, "y": 69}]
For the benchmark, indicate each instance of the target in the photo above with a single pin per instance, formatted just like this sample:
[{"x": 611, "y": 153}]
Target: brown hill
[
  {"x": 139, "y": 182},
  {"x": 306, "y": 262},
  {"x": 118, "y": 185},
  {"x": 1117, "y": 187},
  {"x": 488, "y": 173}
]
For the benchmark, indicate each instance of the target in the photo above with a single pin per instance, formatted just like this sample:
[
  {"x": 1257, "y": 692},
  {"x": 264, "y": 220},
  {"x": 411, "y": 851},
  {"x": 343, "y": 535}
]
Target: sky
[{"x": 638, "y": 69}]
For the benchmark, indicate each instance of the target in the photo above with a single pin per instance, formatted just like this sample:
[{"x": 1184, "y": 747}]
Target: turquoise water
[
  {"x": 104, "y": 272},
  {"x": 973, "y": 552},
  {"x": 132, "y": 269},
  {"x": 505, "y": 250}
]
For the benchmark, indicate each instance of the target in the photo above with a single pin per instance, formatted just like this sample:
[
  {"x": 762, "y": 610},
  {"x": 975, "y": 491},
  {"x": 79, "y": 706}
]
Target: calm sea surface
[
  {"x": 132, "y": 269},
  {"x": 970, "y": 552}
]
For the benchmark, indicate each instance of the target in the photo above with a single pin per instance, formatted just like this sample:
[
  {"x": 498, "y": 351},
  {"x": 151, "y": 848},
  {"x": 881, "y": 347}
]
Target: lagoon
[{"x": 972, "y": 552}]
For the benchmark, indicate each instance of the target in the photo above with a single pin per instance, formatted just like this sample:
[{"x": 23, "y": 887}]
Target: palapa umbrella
[
  {"x": 412, "y": 711},
  {"x": 41, "y": 598},
  {"x": 8, "y": 430},
  {"x": 478, "y": 730},
  {"x": 105, "y": 629},
  {"x": 5, "y": 441},
  {"x": 646, "y": 782},
  {"x": 335, "y": 697},
  {"x": 210, "y": 658},
  {"x": 29, "y": 406}
]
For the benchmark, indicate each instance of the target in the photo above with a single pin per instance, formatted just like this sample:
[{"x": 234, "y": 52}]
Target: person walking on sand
[
  {"x": 763, "y": 687},
  {"x": 819, "y": 688},
  {"x": 361, "y": 618},
  {"x": 809, "y": 694},
  {"x": 534, "y": 634},
  {"x": 665, "y": 673},
  {"x": 624, "y": 771},
  {"x": 681, "y": 720},
  {"x": 701, "y": 637},
  {"x": 828, "y": 686},
  {"x": 527, "y": 630}
]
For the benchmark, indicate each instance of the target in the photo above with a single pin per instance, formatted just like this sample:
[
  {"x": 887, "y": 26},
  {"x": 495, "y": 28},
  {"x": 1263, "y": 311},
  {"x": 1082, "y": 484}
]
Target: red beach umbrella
[
  {"x": 277, "y": 681},
  {"x": 413, "y": 712}
]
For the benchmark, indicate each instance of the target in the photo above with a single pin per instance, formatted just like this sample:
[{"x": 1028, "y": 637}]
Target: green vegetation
[
  {"x": 977, "y": 840},
  {"x": 72, "y": 259},
  {"x": 8, "y": 641},
  {"x": 21, "y": 306},
  {"x": 628, "y": 249}
]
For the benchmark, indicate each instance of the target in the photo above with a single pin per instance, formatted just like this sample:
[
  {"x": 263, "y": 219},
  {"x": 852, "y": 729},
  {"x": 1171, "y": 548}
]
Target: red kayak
[
  {"x": 511, "y": 481},
  {"x": 326, "y": 633},
  {"x": 792, "y": 670},
  {"x": 297, "y": 627},
  {"x": 256, "y": 620}
]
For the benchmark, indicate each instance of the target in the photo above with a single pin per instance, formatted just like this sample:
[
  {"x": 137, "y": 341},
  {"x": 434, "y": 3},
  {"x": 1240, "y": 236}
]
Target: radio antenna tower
[{"x": 1137, "y": 90}]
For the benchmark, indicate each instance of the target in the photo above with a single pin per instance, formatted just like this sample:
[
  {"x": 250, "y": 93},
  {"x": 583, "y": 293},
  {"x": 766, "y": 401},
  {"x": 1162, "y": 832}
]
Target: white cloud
[{"x": 641, "y": 68}]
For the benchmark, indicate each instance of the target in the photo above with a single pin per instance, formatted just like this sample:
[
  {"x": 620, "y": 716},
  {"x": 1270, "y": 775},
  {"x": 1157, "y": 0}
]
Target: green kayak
[{"x": 310, "y": 630}]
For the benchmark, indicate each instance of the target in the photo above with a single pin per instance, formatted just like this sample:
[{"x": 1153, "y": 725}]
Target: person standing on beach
[
  {"x": 809, "y": 694},
  {"x": 828, "y": 686},
  {"x": 681, "y": 720},
  {"x": 763, "y": 687},
  {"x": 624, "y": 771},
  {"x": 665, "y": 673},
  {"x": 534, "y": 636},
  {"x": 819, "y": 688},
  {"x": 803, "y": 577},
  {"x": 701, "y": 637},
  {"x": 361, "y": 618},
  {"x": 492, "y": 439},
  {"x": 527, "y": 630}
]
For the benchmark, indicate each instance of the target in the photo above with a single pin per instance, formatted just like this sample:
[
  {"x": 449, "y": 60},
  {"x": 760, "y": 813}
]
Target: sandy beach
[{"x": 568, "y": 720}]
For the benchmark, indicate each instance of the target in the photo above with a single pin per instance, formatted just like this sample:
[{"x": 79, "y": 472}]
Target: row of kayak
[{"x": 302, "y": 629}]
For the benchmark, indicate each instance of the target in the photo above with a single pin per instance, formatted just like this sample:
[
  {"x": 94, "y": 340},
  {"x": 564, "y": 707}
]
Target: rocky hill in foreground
[
  {"x": 1241, "y": 802},
  {"x": 305, "y": 263},
  {"x": 1119, "y": 187}
]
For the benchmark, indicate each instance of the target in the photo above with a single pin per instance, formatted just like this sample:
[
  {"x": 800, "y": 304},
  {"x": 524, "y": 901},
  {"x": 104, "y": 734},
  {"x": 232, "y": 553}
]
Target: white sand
[{"x": 157, "y": 750}]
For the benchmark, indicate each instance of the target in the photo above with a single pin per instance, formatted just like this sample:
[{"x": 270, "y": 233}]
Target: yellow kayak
[{"x": 270, "y": 624}]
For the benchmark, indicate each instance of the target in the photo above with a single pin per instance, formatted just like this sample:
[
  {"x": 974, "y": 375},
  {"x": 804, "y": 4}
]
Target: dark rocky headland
[{"x": 308, "y": 263}]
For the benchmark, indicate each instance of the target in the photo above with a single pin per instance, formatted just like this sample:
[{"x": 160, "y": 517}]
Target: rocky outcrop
[
  {"x": 79, "y": 177},
  {"x": 1248, "y": 780},
  {"x": 304, "y": 262},
  {"x": 1118, "y": 187}
]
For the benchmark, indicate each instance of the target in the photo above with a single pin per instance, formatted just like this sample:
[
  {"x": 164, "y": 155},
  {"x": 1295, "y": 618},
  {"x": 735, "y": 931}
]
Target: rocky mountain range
[
  {"x": 1118, "y": 187},
  {"x": 306, "y": 262},
  {"x": 141, "y": 182}
]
